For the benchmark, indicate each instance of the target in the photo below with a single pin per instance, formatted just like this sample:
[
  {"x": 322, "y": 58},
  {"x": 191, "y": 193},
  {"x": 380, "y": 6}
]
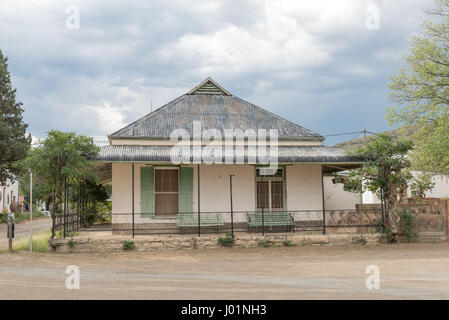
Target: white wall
[
  {"x": 336, "y": 198},
  {"x": 441, "y": 188},
  {"x": 303, "y": 189},
  {"x": 8, "y": 191}
]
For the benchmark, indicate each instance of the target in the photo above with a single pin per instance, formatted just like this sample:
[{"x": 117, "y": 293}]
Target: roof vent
[{"x": 209, "y": 86}]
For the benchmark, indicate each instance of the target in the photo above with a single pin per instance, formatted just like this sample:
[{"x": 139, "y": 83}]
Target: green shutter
[
  {"x": 147, "y": 192},
  {"x": 186, "y": 190}
]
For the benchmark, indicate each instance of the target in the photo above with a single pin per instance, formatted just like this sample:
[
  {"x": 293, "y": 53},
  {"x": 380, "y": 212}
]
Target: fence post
[
  {"x": 263, "y": 205},
  {"x": 322, "y": 199},
  {"x": 133, "y": 195},
  {"x": 65, "y": 207},
  {"x": 199, "y": 214},
  {"x": 232, "y": 213}
]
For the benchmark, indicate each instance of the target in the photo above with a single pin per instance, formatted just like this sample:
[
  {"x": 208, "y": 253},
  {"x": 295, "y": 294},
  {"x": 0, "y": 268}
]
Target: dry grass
[{"x": 40, "y": 242}]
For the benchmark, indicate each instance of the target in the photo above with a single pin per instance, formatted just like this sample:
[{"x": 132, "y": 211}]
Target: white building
[{"x": 9, "y": 192}]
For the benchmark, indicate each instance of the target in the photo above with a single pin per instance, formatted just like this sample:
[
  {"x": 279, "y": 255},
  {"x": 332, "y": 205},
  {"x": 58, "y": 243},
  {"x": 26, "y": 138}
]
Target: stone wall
[
  {"x": 177, "y": 242},
  {"x": 431, "y": 215}
]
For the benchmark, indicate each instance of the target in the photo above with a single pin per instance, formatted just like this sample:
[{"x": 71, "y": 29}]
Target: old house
[{"x": 152, "y": 191}]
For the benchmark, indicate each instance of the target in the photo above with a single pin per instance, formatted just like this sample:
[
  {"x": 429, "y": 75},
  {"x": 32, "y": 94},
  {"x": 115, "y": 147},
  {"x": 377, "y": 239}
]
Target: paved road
[
  {"x": 407, "y": 271},
  {"x": 23, "y": 230}
]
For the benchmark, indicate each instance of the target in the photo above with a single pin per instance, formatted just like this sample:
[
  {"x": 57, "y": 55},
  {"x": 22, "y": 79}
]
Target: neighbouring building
[
  {"x": 9, "y": 192},
  {"x": 338, "y": 198},
  {"x": 151, "y": 190}
]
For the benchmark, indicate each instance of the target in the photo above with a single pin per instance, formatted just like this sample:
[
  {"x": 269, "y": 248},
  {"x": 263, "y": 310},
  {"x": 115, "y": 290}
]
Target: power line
[{"x": 342, "y": 134}]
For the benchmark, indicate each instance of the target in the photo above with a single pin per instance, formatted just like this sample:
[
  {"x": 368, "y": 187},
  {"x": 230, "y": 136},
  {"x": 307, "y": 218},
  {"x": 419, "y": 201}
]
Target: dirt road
[
  {"x": 407, "y": 271},
  {"x": 23, "y": 230}
]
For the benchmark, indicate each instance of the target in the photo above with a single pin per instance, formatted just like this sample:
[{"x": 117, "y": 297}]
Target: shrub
[
  {"x": 386, "y": 233},
  {"x": 226, "y": 241},
  {"x": 408, "y": 226},
  {"x": 71, "y": 243},
  {"x": 128, "y": 245}
]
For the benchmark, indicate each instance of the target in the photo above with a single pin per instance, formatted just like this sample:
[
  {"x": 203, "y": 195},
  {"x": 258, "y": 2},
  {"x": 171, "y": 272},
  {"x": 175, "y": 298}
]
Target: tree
[
  {"x": 422, "y": 91},
  {"x": 13, "y": 141},
  {"x": 385, "y": 172},
  {"x": 61, "y": 157}
]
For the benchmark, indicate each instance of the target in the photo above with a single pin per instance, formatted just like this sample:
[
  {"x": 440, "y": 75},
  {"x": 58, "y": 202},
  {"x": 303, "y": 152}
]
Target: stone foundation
[{"x": 176, "y": 242}]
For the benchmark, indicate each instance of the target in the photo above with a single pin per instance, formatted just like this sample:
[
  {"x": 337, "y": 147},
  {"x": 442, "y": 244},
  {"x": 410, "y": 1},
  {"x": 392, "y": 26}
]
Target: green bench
[
  {"x": 270, "y": 220},
  {"x": 206, "y": 220}
]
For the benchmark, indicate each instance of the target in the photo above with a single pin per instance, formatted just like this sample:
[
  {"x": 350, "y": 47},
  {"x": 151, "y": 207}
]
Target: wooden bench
[
  {"x": 206, "y": 220},
  {"x": 270, "y": 220}
]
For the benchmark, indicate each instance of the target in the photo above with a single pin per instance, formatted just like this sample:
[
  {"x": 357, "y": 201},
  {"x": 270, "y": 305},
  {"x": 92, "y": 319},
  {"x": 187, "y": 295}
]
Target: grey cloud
[{"x": 128, "y": 53}]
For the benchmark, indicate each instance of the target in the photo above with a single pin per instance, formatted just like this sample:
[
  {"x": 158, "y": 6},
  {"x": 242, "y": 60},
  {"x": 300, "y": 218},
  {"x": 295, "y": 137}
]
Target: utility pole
[
  {"x": 364, "y": 136},
  {"x": 31, "y": 209},
  {"x": 10, "y": 222}
]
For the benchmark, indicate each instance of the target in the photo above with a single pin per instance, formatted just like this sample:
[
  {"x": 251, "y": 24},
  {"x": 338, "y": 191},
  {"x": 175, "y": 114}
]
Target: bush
[
  {"x": 288, "y": 243},
  {"x": 386, "y": 233},
  {"x": 408, "y": 226},
  {"x": 71, "y": 243},
  {"x": 226, "y": 241},
  {"x": 128, "y": 245}
]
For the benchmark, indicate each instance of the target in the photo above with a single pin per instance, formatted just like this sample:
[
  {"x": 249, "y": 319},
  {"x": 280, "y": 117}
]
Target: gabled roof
[{"x": 216, "y": 108}]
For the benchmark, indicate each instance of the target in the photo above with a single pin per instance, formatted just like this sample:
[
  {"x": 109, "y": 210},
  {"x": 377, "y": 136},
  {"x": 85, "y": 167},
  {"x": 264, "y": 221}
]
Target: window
[
  {"x": 266, "y": 172},
  {"x": 270, "y": 190},
  {"x": 166, "y": 191}
]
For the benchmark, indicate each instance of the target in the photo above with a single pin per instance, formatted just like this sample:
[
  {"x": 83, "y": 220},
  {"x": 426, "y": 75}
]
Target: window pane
[
  {"x": 166, "y": 180},
  {"x": 277, "y": 195},
  {"x": 262, "y": 194},
  {"x": 166, "y": 204},
  {"x": 166, "y": 191},
  {"x": 279, "y": 173}
]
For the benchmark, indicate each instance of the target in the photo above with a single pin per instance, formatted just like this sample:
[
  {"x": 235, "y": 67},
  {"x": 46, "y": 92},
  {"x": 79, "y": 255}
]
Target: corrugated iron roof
[
  {"x": 286, "y": 154},
  {"x": 214, "y": 111}
]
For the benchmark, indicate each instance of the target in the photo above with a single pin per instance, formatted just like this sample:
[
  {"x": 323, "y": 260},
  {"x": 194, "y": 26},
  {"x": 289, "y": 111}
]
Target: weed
[
  {"x": 128, "y": 245},
  {"x": 288, "y": 243},
  {"x": 226, "y": 241}
]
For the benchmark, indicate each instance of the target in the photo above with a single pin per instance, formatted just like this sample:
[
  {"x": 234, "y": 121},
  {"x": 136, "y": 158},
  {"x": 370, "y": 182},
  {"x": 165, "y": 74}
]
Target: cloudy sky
[{"x": 323, "y": 64}]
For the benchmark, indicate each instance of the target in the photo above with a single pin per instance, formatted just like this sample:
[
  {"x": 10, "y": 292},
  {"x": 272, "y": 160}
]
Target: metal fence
[{"x": 313, "y": 221}]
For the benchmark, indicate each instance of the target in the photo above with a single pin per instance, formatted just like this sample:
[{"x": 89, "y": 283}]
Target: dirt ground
[{"x": 407, "y": 271}]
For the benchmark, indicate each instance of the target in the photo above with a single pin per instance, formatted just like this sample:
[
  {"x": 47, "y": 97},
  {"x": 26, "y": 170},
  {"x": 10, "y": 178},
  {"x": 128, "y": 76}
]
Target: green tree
[
  {"x": 61, "y": 157},
  {"x": 422, "y": 91},
  {"x": 13, "y": 141},
  {"x": 385, "y": 171}
]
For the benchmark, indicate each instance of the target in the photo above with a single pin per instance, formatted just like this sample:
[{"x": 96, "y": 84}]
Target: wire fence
[{"x": 313, "y": 221}]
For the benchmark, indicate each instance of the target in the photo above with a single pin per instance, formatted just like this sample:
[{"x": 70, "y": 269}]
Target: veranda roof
[{"x": 286, "y": 154}]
